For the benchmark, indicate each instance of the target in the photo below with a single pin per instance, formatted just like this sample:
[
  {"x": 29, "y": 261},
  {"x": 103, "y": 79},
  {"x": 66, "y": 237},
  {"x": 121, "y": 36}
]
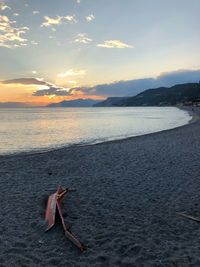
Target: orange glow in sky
[
  {"x": 24, "y": 94},
  {"x": 81, "y": 49}
]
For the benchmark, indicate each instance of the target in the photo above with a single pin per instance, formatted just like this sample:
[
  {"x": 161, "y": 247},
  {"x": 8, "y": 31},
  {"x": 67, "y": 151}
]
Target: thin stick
[
  {"x": 68, "y": 233},
  {"x": 189, "y": 217}
]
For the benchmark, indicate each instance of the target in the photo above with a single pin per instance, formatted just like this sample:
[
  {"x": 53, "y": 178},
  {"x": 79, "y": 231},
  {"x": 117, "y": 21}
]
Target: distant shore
[{"x": 125, "y": 207}]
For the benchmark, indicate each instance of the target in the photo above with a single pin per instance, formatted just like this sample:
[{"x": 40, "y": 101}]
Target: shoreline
[
  {"x": 124, "y": 209},
  {"x": 193, "y": 112}
]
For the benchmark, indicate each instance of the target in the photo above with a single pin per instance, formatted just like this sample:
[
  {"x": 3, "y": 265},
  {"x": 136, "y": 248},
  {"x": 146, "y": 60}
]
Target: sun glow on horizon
[{"x": 53, "y": 51}]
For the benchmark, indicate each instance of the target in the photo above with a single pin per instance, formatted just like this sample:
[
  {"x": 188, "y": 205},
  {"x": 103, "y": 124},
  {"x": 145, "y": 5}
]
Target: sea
[{"x": 41, "y": 129}]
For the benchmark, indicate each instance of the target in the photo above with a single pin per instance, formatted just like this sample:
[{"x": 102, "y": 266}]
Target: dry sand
[{"x": 124, "y": 209}]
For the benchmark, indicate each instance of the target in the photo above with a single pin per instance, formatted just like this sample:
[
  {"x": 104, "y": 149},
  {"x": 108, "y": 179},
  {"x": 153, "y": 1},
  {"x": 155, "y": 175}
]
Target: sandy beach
[{"x": 124, "y": 210}]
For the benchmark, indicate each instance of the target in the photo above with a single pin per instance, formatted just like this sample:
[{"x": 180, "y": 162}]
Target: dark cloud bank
[
  {"x": 52, "y": 91},
  {"x": 27, "y": 81},
  {"x": 120, "y": 88},
  {"x": 133, "y": 87}
]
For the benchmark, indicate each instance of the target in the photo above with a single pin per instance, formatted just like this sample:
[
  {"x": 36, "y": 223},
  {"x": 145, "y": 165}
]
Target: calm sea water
[{"x": 33, "y": 129}]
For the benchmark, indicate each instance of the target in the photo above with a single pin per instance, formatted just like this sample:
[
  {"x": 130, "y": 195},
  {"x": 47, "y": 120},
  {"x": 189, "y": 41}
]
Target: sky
[{"x": 66, "y": 49}]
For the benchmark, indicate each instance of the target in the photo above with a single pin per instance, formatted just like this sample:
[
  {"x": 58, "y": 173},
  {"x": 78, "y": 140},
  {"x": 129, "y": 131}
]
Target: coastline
[
  {"x": 193, "y": 112},
  {"x": 124, "y": 209}
]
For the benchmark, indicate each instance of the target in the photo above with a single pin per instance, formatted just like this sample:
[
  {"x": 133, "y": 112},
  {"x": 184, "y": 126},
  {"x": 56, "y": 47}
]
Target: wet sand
[{"x": 125, "y": 207}]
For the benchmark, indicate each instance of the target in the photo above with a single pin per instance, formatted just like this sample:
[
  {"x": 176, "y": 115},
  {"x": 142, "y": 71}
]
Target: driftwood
[{"x": 53, "y": 205}]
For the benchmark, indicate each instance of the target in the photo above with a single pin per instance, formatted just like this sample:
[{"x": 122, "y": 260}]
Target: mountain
[
  {"x": 13, "y": 105},
  {"x": 74, "y": 103},
  {"x": 185, "y": 94},
  {"x": 178, "y": 94},
  {"x": 110, "y": 101}
]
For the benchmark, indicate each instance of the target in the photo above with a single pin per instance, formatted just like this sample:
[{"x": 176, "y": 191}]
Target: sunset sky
[{"x": 55, "y": 50}]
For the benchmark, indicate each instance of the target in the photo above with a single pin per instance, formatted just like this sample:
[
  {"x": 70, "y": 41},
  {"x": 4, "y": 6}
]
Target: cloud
[
  {"x": 3, "y": 6},
  {"x": 51, "y": 21},
  {"x": 16, "y": 14},
  {"x": 78, "y": 1},
  {"x": 72, "y": 82},
  {"x": 53, "y": 91},
  {"x": 179, "y": 76},
  {"x": 90, "y": 17},
  {"x": 71, "y": 19},
  {"x": 82, "y": 38},
  {"x": 133, "y": 87},
  {"x": 27, "y": 81},
  {"x": 50, "y": 89},
  {"x": 36, "y": 12},
  {"x": 114, "y": 44},
  {"x": 72, "y": 72},
  {"x": 34, "y": 42},
  {"x": 120, "y": 88},
  {"x": 11, "y": 36},
  {"x": 58, "y": 20}
]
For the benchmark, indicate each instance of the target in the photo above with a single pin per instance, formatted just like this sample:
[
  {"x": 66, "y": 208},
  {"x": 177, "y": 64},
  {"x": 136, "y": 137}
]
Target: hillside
[
  {"x": 184, "y": 94},
  {"x": 110, "y": 101},
  {"x": 75, "y": 103},
  {"x": 13, "y": 105}
]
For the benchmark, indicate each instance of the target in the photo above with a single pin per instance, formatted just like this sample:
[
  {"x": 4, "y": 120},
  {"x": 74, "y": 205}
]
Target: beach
[{"x": 124, "y": 209}]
